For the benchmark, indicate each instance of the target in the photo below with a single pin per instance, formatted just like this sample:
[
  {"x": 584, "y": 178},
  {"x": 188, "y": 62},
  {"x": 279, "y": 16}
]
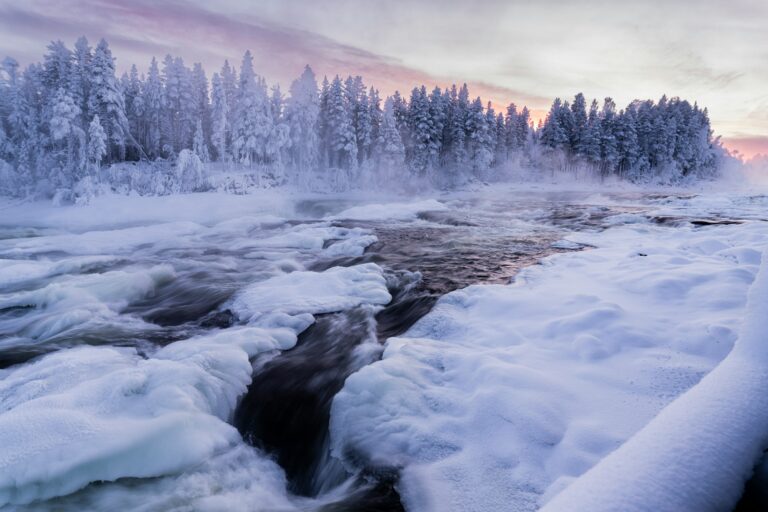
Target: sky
[{"x": 526, "y": 52}]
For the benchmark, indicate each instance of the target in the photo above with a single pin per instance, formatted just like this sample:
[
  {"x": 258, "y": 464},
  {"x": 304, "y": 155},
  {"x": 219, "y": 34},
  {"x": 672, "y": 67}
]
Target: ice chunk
[
  {"x": 395, "y": 211},
  {"x": 99, "y": 413},
  {"x": 335, "y": 289}
]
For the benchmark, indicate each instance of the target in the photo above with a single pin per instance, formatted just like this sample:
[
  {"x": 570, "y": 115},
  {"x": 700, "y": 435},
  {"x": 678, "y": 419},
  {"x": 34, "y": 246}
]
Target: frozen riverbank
[{"x": 157, "y": 314}]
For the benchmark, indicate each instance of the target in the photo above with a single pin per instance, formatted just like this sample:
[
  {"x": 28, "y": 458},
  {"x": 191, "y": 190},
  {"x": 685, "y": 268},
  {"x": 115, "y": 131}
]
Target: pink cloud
[
  {"x": 139, "y": 29},
  {"x": 748, "y": 146}
]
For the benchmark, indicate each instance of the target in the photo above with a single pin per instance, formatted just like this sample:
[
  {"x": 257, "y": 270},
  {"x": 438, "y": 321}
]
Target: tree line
[{"x": 62, "y": 120}]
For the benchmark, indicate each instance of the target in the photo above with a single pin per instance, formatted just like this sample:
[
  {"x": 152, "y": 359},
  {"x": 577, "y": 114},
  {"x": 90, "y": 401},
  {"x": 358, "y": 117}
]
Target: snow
[
  {"x": 107, "y": 414},
  {"x": 394, "y": 211},
  {"x": 501, "y": 398},
  {"x": 503, "y": 395},
  {"x": 101, "y": 413},
  {"x": 301, "y": 292},
  {"x": 233, "y": 480},
  {"x": 698, "y": 452}
]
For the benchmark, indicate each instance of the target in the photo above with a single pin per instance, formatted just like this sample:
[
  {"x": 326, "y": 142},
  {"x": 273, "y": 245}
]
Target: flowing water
[{"x": 286, "y": 409}]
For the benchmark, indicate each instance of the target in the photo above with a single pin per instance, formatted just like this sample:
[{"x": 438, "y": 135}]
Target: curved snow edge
[{"x": 698, "y": 452}]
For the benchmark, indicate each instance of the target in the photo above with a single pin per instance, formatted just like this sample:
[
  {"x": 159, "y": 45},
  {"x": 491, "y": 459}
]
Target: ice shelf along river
[{"x": 468, "y": 351}]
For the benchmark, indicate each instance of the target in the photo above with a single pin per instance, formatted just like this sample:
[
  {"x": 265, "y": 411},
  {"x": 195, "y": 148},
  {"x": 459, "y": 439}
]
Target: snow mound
[
  {"x": 100, "y": 413},
  {"x": 502, "y": 395},
  {"x": 698, "y": 452},
  {"x": 303, "y": 292},
  {"x": 395, "y": 211},
  {"x": 231, "y": 481}
]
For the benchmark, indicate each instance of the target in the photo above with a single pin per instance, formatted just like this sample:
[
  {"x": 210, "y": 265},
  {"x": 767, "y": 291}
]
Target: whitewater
[{"x": 508, "y": 348}]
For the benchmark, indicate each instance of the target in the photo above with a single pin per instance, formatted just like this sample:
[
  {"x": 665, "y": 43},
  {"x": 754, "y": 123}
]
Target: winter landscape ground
[
  {"x": 219, "y": 296},
  {"x": 475, "y": 350}
]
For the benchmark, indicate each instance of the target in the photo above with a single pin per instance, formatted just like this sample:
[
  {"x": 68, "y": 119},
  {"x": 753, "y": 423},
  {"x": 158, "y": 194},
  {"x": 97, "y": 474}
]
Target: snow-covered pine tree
[
  {"x": 479, "y": 139},
  {"x": 257, "y": 139},
  {"x": 301, "y": 114},
  {"x": 341, "y": 131},
  {"x": 422, "y": 131},
  {"x": 490, "y": 123},
  {"x": 323, "y": 127},
  {"x": 63, "y": 126},
  {"x": 511, "y": 139},
  {"x": 438, "y": 114},
  {"x": 523, "y": 128},
  {"x": 199, "y": 146},
  {"x": 609, "y": 146},
  {"x": 460, "y": 157},
  {"x": 589, "y": 143},
  {"x": 390, "y": 150},
  {"x": 501, "y": 154},
  {"x": 219, "y": 115},
  {"x": 106, "y": 101},
  {"x": 97, "y": 144},
  {"x": 375, "y": 114},
  {"x": 79, "y": 80},
  {"x": 152, "y": 101},
  {"x": 553, "y": 134},
  {"x": 578, "y": 123},
  {"x": 363, "y": 125}
]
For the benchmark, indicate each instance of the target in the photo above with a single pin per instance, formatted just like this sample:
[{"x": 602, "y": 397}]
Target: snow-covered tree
[
  {"x": 390, "y": 151},
  {"x": 339, "y": 133},
  {"x": 63, "y": 125},
  {"x": 220, "y": 116},
  {"x": 342, "y": 139},
  {"x": 97, "y": 143},
  {"x": 301, "y": 114},
  {"x": 199, "y": 146}
]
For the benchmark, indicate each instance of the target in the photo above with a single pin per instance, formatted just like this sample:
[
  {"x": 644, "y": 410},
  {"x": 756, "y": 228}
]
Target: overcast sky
[{"x": 529, "y": 52}]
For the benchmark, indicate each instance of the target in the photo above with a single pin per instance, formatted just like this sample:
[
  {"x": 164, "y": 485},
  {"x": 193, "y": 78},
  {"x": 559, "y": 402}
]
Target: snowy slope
[
  {"x": 698, "y": 452},
  {"x": 503, "y": 395}
]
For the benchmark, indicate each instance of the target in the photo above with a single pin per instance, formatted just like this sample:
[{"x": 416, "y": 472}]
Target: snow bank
[
  {"x": 235, "y": 480},
  {"x": 107, "y": 414},
  {"x": 101, "y": 413},
  {"x": 503, "y": 395},
  {"x": 395, "y": 211},
  {"x": 335, "y": 289},
  {"x": 698, "y": 452}
]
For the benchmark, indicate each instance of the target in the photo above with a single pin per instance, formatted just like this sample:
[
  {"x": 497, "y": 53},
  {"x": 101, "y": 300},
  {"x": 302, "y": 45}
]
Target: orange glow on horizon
[{"x": 747, "y": 147}]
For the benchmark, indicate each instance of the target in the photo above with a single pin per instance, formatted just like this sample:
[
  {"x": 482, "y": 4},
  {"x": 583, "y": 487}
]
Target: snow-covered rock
[
  {"x": 302, "y": 292},
  {"x": 394, "y": 211}
]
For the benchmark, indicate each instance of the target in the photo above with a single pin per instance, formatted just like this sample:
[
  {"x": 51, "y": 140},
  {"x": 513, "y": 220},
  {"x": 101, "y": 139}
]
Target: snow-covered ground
[{"x": 500, "y": 398}]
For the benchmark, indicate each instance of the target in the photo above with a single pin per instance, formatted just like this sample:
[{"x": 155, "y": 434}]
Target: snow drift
[
  {"x": 698, "y": 452},
  {"x": 503, "y": 395}
]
